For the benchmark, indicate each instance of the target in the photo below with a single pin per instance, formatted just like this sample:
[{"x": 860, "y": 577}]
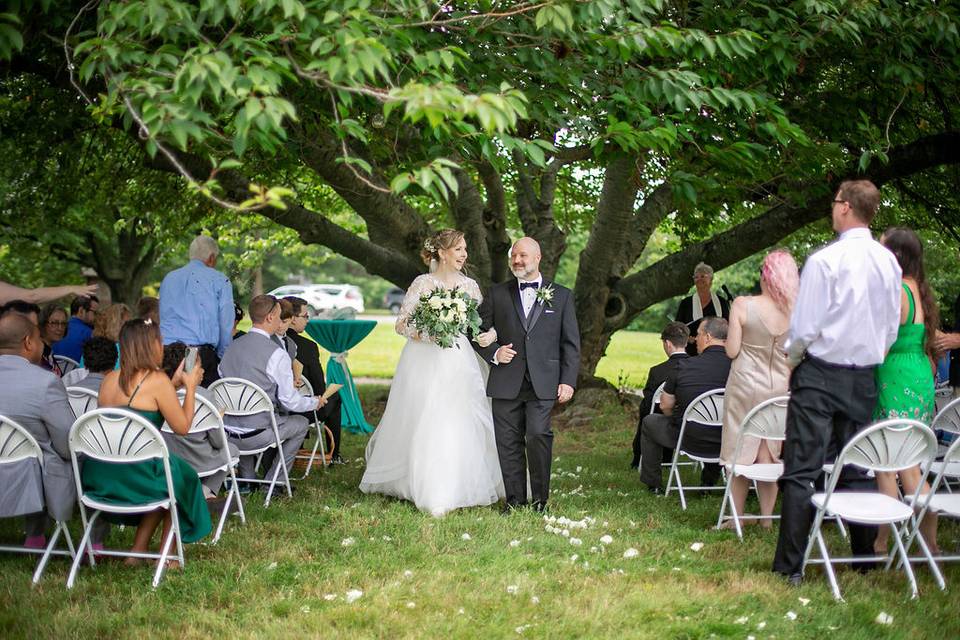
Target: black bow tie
[{"x": 525, "y": 285}]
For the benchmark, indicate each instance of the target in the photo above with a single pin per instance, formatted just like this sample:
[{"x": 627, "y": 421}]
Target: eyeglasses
[
  {"x": 305, "y": 316},
  {"x": 57, "y": 323}
]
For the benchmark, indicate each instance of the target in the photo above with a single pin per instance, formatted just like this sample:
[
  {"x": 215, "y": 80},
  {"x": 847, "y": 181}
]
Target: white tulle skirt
[{"x": 435, "y": 445}]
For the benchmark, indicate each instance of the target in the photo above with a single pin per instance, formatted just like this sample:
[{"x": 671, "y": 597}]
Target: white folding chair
[
  {"x": 82, "y": 400},
  {"x": 240, "y": 397},
  {"x": 766, "y": 421},
  {"x": 66, "y": 364},
  {"x": 948, "y": 420},
  {"x": 119, "y": 436},
  {"x": 890, "y": 445},
  {"x": 707, "y": 410},
  {"x": 206, "y": 417},
  {"x": 306, "y": 390},
  {"x": 17, "y": 445},
  {"x": 940, "y": 503},
  {"x": 655, "y": 400}
]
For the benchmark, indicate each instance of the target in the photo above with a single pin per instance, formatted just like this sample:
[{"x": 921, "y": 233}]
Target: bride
[{"x": 435, "y": 445}]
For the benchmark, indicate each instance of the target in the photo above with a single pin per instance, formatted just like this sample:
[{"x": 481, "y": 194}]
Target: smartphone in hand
[{"x": 190, "y": 360}]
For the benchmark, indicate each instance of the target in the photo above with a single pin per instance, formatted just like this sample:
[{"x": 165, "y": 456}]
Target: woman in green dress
[
  {"x": 905, "y": 380},
  {"x": 141, "y": 386}
]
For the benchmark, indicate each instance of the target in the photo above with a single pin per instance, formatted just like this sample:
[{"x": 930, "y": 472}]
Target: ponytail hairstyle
[
  {"x": 906, "y": 247},
  {"x": 443, "y": 239},
  {"x": 780, "y": 279}
]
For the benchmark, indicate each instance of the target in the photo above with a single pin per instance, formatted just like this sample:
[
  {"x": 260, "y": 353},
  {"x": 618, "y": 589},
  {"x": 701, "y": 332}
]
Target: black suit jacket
[
  {"x": 308, "y": 353},
  {"x": 657, "y": 376},
  {"x": 547, "y": 344}
]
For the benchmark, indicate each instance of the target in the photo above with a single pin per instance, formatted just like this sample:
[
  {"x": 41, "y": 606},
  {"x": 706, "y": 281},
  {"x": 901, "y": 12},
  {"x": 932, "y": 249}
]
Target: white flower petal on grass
[
  {"x": 751, "y": 638},
  {"x": 512, "y": 589},
  {"x": 353, "y": 595},
  {"x": 761, "y": 625},
  {"x": 466, "y": 536},
  {"x": 460, "y": 611},
  {"x": 675, "y": 569},
  {"x": 883, "y": 618},
  {"x": 534, "y": 600},
  {"x": 593, "y": 549},
  {"x": 696, "y": 546},
  {"x": 574, "y": 558},
  {"x": 411, "y": 605},
  {"x": 741, "y": 620},
  {"x": 305, "y": 609},
  {"x": 631, "y": 553},
  {"x": 790, "y": 615},
  {"x": 387, "y": 539},
  {"x": 408, "y": 574},
  {"x": 606, "y": 539},
  {"x": 565, "y": 533},
  {"x": 522, "y": 628},
  {"x": 330, "y": 597},
  {"x": 514, "y": 543},
  {"x": 576, "y": 542},
  {"x": 347, "y": 542},
  {"x": 272, "y": 566},
  {"x": 804, "y": 601}
]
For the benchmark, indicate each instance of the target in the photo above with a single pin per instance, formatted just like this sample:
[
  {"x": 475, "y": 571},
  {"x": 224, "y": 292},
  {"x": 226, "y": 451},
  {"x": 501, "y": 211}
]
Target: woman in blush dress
[
  {"x": 435, "y": 444},
  {"x": 758, "y": 328}
]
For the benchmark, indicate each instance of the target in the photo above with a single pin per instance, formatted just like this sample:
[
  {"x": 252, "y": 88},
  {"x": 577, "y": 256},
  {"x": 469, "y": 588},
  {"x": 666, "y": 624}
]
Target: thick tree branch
[
  {"x": 467, "y": 208},
  {"x": 495, "y": 220}
]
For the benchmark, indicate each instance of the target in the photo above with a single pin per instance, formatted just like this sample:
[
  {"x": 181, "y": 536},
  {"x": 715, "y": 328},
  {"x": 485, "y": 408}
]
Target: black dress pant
[
  {"x": 524, "y": 439},
  {"x": 829, "y": 404},
  {"x": 330, "y": 415},
  {"x": 658, "y": 433}
]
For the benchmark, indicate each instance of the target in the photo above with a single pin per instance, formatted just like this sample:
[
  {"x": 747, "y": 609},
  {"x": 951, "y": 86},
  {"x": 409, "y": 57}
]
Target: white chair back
[
  {"x": 82, "y": 400},
  {"x": 305, "y": 389},
  {"x": 767, "y": 420},
  {"x": 656, "y": 397},
  {"x": 206, "y": 415},
  {"x": 66, "y": 364},
  {"x": 16, "y": 443},
  {"x": 948, "y": 418},
  {"x": 116, "y": 435},
  {"x": 240, "y": 397},
  {"x": 706, "y": 409}
]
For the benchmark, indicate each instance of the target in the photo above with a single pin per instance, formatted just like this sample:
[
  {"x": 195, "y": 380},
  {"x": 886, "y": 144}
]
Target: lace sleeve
[
  {"x": 473, "y": 289},
  {"x": 420, "y": 285}
]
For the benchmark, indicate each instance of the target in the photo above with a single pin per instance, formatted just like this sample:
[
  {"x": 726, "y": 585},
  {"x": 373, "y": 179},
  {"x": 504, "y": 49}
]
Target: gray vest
[{"x": 247, "y": 358}]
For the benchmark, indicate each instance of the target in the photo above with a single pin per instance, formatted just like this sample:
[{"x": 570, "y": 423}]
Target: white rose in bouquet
[{"x": 435, "y": 302}]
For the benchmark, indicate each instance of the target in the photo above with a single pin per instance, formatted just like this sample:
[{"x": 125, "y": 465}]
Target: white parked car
[{"x": 322, "y": 297}]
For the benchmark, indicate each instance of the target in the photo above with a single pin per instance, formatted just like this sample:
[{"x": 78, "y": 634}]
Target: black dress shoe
[
  {"x": 657, "y": 491},
  {"x": 795, "y": 579}
]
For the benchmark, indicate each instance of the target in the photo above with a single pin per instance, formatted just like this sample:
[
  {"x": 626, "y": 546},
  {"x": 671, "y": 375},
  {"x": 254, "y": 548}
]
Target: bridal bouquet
[{"x": 444, "y": 314}]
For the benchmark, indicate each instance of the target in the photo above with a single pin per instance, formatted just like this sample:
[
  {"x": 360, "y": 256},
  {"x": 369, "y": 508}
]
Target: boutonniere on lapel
[{"x": 545, "y": 295}]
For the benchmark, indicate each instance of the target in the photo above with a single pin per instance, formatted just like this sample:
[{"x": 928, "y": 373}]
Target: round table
[{"x": 338, "y": 337}]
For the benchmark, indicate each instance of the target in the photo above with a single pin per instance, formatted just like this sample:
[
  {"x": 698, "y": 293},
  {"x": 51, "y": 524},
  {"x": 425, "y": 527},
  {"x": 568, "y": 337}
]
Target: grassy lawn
[{"x": 287, "y": 573}]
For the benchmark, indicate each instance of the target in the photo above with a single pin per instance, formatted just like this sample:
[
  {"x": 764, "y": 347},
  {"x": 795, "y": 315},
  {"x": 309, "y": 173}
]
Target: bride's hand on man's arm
[{"x": 487, "y": 338}]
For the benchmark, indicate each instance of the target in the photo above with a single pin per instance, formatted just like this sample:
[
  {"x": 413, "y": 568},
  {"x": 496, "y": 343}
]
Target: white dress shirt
[
  {"x": 848, "y": 309},
  {"x": 528, "y": 296},
  {"x": 280, "y": 370}
]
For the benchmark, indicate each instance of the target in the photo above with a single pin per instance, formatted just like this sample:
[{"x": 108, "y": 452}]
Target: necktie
[{"x": 525, "y": 285}]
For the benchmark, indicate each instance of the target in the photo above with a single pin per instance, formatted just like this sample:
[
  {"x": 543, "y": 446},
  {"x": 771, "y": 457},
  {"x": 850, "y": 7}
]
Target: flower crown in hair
[
  {"x": 147, "y": 321},
  {"x": 429, "y": 246}
]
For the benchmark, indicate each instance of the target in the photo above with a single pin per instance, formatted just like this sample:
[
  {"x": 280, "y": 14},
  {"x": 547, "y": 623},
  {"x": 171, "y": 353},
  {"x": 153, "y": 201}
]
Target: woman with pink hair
[{"x": 760, "y": 370}]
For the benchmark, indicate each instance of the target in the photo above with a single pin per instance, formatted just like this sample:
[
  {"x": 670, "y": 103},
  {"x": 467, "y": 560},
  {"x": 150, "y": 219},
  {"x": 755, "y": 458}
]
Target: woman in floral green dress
[{"x": 905, "y": 380}]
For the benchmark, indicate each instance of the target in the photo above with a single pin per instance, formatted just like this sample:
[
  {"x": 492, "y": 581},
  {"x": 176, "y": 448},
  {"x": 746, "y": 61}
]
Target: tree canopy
[{"x": 727, "y": 124}]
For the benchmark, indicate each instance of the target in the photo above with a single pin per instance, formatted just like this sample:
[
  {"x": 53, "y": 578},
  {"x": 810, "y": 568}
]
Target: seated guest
[
  {"x": 79, "y": 329},
  {"x": 237, "y": 317},
  {"x": 99, "y": 357},
  {"x": 53, "y": 327},
  {"x": 286, "y": 318},
  {"x": 36, "y": 400},
  {"x": 202, "y": 451},
  {"x": 308, "y": 353},
  {"x": 148, "y": 308},
  {"x": 692, "y": 377},
  {"x": 704, "y": 303},
  {"x": 674, "y": 341},
  {"x": 107, "y": 324},
  {"x": 760, "y": 371},
  {"x": 257, "y": 357},
  {"x": 142, "y": 387}
]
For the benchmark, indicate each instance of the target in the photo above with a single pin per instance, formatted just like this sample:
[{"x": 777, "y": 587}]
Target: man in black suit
[
  {"x": 308, "y": 353},
  {"x": 692, "y": 377},
  {"x": 674, "y": 337},
  {"x": 534, "y": 364}
]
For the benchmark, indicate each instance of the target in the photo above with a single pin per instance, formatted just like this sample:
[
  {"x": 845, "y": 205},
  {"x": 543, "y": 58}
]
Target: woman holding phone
[{"x": 141, "y": 386}]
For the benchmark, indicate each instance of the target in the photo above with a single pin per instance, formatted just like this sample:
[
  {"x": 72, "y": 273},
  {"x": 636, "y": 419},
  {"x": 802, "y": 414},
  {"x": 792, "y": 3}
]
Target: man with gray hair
[
  {"x": 196, "y": 306},
  {"x": 704, "y": 303},
  {"x": 690, "y": 378}
]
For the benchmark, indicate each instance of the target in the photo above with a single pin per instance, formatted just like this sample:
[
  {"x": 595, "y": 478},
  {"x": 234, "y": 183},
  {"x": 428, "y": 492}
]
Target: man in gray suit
[
  {"x": 257, "y": 358},
  {"x": 35, "y": 399}
]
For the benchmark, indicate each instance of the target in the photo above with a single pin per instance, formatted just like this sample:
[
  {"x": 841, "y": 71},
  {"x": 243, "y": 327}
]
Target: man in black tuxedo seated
[
  {"x": 674, "y": 337},
  {"x": 308, "y": 353},
  {"x": 692, "y": 377}
]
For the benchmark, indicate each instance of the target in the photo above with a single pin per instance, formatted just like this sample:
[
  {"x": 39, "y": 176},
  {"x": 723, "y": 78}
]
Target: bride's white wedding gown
[{"x": 435, "y": 444}]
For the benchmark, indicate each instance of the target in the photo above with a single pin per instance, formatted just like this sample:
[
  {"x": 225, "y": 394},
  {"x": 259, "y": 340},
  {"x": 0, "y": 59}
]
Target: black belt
[
  {"x": 849, "y": 367},
  {"x": 244, "y": 436}
]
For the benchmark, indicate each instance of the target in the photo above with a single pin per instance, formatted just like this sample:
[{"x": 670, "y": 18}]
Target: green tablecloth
[{"x": 337, "y": 337}]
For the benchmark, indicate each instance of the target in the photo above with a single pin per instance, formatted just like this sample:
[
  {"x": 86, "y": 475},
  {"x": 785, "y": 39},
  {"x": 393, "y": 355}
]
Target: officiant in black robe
[{"x": 704, "y": 303}]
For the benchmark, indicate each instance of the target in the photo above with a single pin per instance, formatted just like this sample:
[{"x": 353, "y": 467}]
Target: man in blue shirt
[
  {"x": 83, "y": 309},
  {"x": 196, "y": 306}
]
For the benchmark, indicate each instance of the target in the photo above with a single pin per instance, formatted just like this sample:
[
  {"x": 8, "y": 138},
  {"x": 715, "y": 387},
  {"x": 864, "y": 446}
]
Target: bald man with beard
[{"x": 534, "y": 364}]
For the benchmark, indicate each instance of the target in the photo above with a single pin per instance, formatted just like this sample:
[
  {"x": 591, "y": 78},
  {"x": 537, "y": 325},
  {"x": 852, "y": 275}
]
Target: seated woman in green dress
[
  {"x": 141, "y": 386},
  {"x": 905, "y": 379}
]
